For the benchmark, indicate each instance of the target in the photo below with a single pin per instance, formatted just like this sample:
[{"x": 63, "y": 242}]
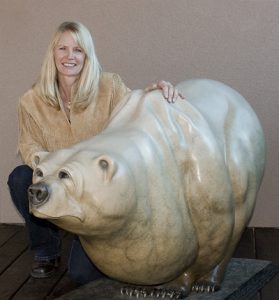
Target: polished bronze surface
[{"x": 162, "y": 196}]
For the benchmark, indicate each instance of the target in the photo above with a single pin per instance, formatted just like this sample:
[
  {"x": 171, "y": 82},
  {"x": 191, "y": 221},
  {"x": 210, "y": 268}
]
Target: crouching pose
[{"x": 71, "y": 101}]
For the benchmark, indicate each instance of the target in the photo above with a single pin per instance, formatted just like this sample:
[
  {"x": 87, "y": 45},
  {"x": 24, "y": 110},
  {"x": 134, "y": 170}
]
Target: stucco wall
[{"x": 236, "y": 42}]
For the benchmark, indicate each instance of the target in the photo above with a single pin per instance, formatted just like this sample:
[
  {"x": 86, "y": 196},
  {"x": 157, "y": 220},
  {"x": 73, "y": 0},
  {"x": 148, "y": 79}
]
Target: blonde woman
[{"x": 71, "y": 101}]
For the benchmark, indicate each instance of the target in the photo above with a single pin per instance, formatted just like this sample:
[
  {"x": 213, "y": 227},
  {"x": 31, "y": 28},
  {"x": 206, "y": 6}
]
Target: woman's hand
[{"x": 170, "y": 93}]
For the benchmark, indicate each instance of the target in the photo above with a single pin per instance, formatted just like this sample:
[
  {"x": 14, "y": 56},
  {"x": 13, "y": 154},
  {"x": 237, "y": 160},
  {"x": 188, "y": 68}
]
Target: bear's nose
[{"x": 38, "y": 194}]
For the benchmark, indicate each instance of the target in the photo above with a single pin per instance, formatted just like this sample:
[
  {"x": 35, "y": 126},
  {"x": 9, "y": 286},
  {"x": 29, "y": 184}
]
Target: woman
[{"x": 71, "y": 101}]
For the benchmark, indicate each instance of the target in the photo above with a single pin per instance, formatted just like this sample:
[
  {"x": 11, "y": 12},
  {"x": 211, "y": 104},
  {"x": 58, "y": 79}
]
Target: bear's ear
[
  {"x": 107, "y": 167},
  {"x": 37, "y": 158}
]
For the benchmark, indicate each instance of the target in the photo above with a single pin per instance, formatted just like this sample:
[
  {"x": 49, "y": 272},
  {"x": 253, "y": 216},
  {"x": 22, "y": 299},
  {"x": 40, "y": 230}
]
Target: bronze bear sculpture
[{"x": 163, "y": 194}]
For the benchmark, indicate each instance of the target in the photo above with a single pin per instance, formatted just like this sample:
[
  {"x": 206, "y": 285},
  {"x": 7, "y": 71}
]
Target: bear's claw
[
  {"x": 205, "y": 287},
  {"x": 145, "y": 292}
]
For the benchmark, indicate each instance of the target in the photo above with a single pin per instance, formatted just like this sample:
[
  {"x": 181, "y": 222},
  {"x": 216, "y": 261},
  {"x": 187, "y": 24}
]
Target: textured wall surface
[{"x": 236, "y": 42}]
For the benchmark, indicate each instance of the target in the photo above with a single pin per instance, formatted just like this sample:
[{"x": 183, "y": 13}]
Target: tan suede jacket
[{"x": 44, "y": 128}]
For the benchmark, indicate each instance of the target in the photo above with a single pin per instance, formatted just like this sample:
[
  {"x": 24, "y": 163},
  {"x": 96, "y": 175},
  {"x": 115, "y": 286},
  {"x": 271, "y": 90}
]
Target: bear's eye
[
  {"x": 63, "y": 175},
  {"x": 103, "y": 164},
  {"x": 39, "y": 173}
]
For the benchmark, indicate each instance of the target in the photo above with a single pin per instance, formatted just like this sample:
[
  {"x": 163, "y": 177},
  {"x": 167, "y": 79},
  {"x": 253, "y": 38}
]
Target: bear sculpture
[{"x": 163, "y": 194}]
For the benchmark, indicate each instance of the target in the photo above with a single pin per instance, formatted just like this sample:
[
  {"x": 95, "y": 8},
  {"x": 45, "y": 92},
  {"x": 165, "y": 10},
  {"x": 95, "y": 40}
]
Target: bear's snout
[{"x": 38, "y": 194}]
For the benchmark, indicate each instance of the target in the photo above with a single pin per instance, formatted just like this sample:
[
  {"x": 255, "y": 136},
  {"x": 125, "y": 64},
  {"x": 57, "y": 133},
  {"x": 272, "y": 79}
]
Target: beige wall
[{"x": 234, "y": 41}]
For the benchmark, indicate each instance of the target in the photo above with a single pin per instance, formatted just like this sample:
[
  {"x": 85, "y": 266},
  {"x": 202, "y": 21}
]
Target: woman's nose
[{"x": 70, "y": 53}]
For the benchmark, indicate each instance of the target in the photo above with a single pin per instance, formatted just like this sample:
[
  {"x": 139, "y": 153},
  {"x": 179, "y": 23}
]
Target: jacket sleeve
[
  {"x": 30, "y": 139},
  {"x": 119, "y": 90}
]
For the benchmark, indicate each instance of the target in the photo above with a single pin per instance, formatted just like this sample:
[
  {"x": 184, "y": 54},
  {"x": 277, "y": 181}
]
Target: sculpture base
[{"x": 244, "y": 277}]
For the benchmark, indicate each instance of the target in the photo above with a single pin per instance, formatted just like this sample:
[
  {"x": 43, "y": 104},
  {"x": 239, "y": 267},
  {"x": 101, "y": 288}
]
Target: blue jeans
[{"x": 43, "y": 235}]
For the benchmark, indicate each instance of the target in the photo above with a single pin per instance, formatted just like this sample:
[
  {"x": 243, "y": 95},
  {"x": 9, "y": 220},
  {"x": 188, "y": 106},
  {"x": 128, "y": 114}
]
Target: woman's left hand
[{"x": 170, "y": 93}]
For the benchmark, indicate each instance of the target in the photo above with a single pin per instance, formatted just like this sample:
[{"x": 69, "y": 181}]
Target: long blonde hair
[{"x": 86, "y": 87}]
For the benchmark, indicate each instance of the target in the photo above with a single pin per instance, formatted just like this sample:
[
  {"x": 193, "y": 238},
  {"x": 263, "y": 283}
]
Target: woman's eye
[{"x": 78, "y": 50}]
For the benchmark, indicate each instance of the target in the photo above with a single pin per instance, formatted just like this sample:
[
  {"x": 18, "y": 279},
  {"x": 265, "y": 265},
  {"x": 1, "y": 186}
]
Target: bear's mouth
[{"x": 39, "y": 214}]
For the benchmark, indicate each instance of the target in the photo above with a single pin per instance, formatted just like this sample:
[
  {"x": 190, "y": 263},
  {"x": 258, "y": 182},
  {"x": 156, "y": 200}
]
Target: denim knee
[
  {"x": 19, "y": 174},
  {"x": 19, "y": 180}
]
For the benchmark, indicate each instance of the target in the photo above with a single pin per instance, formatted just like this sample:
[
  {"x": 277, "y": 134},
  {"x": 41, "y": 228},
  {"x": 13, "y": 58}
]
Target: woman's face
[{"x": 68, "y": 56}]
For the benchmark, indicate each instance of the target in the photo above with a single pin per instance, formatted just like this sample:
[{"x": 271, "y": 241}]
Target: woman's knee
[
  {"x": 19, "y": 181},
  {"x": 21, "y": 175}
]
